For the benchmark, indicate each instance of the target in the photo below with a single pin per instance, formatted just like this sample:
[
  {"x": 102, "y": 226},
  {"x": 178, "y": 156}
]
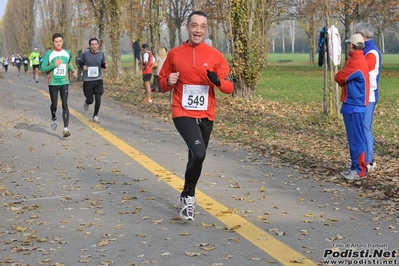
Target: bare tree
[
  {"x": 309, "y": 16},
  {"x": 292, "y": 31},
  {"x": 282, "y": 30},
  {"x": 53, "y": 18},
  {"x": 387, "y": 16},
  {"x": 350, "y": 11},
  {"x": 177, "y": 13},
  {"x": 217, "y": 15},
  {"x": 97, "y": 12}
]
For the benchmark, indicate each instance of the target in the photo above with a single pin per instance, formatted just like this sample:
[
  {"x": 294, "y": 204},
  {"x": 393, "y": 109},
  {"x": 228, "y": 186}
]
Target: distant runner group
[{"x": 57, "y": 64}]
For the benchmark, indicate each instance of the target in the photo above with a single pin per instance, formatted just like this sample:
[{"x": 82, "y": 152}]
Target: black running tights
[
  {"x": 196, "y": 133},
  {"x": 93, "y": 91},
  {"x": 63, "y": 89}
]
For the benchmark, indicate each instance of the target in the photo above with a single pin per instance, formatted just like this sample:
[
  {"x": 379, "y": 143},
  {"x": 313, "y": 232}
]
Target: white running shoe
[
  {"x": 346, "y": 172},
  {"x": 96, "y": 119},
  {"x": 352, "y": 175},
  {"x": 85, "y": 106},
  {"x": 372, "y": 167},
  {"x": 66, "y": 132},
  {"x": 54, "y": 124},
  {"x": 188, "y": 210}
]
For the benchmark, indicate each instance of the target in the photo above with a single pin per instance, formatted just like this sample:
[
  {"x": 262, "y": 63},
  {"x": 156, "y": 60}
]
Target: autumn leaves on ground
[{"x": 294, "y": 136}]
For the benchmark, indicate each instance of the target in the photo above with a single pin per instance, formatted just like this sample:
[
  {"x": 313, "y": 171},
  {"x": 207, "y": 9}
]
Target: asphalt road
[{"x": 107, "y": 195}]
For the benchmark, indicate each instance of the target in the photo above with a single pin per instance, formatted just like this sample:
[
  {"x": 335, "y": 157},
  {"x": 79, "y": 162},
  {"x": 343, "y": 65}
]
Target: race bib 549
[{"x": 195, "y": 97}]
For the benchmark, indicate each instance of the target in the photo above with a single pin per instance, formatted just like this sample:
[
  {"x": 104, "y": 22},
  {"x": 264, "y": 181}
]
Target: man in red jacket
[
  {"x": 355, "y": 82},
  {"x": 193, "y": 70}
]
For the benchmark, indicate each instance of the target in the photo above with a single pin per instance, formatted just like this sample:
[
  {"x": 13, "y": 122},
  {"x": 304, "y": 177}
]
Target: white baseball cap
[{"x": 356, "y": 39}]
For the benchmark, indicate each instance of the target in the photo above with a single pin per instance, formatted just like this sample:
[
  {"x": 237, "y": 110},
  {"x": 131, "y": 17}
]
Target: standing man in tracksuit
[
  {"x": 374, "y": 62},
  {"x": 355, "y": 82}
]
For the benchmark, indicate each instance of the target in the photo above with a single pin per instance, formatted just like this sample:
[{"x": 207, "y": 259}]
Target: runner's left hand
[{"x": 213, "y": 77}]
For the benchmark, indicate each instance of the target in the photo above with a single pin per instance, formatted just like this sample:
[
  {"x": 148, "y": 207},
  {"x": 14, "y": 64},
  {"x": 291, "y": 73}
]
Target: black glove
[{"x": 213, "y": 77}]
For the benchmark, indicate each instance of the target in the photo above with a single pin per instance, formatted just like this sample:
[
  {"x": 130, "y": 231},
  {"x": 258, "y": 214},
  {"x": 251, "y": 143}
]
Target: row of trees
[
  {"x": 289, "y": 37},
  {"x": 247, "y": 24}
]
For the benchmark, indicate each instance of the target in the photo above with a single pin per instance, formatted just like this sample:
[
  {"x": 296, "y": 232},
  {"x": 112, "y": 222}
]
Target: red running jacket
[
  {"x": 354, "y": 80},
  {"x": 192, "y": 63}
]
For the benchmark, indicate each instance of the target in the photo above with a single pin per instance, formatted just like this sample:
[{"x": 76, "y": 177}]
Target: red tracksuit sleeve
[{"x": 166, "y": 69}]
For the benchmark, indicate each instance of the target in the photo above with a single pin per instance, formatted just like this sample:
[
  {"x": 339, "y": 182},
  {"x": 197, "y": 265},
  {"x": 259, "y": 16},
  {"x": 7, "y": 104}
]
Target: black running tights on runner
[
  {"x": 196, "y": 134},
  {"x": 93, "y": 89},
  {"x": 53, "y": 90}
]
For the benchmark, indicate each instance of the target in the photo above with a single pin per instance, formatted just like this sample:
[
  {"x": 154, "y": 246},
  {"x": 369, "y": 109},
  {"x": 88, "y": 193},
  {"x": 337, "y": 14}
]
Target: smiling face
[
  {"x": 197, "y": 28},
  {"x": 58, "y": 42}
]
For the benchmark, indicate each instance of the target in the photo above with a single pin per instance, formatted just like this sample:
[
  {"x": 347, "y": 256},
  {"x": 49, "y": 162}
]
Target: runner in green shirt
[
  {"x": 57, "y": 63},
  {"x": 34, "y": 58}
]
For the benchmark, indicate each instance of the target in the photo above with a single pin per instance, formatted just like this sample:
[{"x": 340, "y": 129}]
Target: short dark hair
[
  {"x": 93, "y": 39},
  {"x": 199, "y": 13},
  {"x": 57, "y": 35},
  {"x": 144, "y": 45}
]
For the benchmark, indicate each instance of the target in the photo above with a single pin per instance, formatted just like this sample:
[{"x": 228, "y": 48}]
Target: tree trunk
[
  {"x": 172, "y": 30},
  {"x": 249, "y": 49},
  {"x": 325, "y": 68},
  {"x": 347, "y": 36},
  {"x": 114, "y": 35},
  {"x": 179, "y": 35},
  {"x": 330, "y": 95},
  {"x": 283, "y": 36},
  {"x": 155, "y": 26},
  {"x": 312, "y": 42}
]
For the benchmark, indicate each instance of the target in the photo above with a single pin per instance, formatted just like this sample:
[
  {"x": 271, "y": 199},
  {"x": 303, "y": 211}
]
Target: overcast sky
[{"x": 3, "y": 4}]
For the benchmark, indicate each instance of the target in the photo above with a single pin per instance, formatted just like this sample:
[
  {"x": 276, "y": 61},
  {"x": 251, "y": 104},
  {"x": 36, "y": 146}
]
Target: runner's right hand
[{"x": 173, "y": 77}]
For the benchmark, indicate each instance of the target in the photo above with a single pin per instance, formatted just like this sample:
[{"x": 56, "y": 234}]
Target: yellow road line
[{"x": 272, "y": 246}]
